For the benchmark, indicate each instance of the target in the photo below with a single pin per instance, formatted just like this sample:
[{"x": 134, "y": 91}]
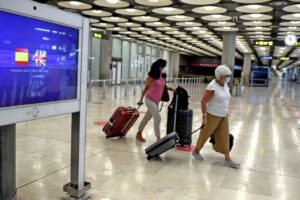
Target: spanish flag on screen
[{"x": 21, "y": 57}]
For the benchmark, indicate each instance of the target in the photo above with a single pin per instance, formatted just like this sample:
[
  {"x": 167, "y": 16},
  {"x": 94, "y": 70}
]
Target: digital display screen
[{"x": 38, "y": 61}]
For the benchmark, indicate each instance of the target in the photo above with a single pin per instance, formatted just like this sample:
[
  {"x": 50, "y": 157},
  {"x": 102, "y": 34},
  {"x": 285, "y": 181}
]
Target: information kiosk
[{"x": 43, "y": 73}]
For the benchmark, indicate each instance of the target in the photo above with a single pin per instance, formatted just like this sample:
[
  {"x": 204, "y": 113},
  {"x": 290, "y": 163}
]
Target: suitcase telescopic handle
[
  {"x": 202, "y": 126},
  {"x": 175, "y": 111}
]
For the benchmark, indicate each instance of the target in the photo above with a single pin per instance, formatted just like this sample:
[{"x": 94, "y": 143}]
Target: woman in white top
[{"x": 215, "y": 105}]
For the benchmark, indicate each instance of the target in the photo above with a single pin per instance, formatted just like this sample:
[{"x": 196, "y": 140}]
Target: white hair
[{"x": 222, "y": 70}]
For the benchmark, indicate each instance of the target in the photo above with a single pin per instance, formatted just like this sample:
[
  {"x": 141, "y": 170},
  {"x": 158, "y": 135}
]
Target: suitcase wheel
[{"x": 153, "y": 157}]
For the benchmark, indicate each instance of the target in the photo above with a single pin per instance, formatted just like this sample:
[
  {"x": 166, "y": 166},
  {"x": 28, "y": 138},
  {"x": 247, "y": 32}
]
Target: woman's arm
[
  {"x": 146, "y": 88},
  {"x": 208, "y": 95}
]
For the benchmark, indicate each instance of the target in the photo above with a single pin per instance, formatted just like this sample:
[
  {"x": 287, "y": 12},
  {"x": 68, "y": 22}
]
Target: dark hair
[{"x": 156, "y": 68}]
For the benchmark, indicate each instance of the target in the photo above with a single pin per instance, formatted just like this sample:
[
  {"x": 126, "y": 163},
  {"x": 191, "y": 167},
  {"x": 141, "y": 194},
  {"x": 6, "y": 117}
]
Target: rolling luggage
[
  {"x": 184, "y": 119},
  {"x": 184, "y": 125},
  {"x": 168, "y": 142},
  {"x": 161, "y": 146},
  {"x": 165, "y": 143},
  {"x": 120, "y": 122}
]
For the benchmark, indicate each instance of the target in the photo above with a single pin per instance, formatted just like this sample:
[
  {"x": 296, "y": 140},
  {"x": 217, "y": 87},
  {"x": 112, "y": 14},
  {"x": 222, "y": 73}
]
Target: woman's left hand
[{"x": 172, "y": 89}]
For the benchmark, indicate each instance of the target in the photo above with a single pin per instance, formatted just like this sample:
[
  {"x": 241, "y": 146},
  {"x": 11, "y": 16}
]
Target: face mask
[
  {"x": 228, "y": 79},
  {"x": 164, "y": 70}
]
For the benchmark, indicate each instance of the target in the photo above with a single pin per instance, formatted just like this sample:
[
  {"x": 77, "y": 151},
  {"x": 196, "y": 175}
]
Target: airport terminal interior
[{"x": 66, "y": 66}]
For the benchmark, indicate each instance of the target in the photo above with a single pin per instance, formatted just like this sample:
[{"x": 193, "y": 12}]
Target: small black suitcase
[
  {"x": 168, "y": 142},
  {"x": 165, "y": 143},
  {"x": 184, "y": 125},
  {"x": 161, "y": 146}
]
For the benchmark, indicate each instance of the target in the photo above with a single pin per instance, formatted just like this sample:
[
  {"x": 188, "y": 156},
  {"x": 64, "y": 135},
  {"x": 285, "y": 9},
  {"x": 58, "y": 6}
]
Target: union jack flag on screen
[{"x": 40, "y": 58}]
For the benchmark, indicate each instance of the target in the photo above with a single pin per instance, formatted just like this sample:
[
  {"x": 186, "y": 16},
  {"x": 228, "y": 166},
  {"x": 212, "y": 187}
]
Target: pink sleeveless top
[{"x": 156, "y": 90}]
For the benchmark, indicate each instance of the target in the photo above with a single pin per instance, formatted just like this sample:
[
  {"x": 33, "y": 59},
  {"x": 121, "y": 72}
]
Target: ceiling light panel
[
  {"x": 216, "y": 17},
  {"x": 96, "y": 13},
  {"x": 200, "y": 2},
  {"x": 251, "y": 1},
  {"x": 258, "y": 28},
  {"x": 168, "y": 11},
  {"x": 103, "y": 25},
  {"x": 154, "y": 3},
  {"x": 180, "y": 18},
  {"x": 209, "y": 10},
  {"x": 130, "y": 12},
  {"x": 146, "y": 19},
  {"x": 254, "y": 8},
  {"x": 292, "y": 8},
  {"x": 74, "y": 5},
  {"x": 141, "y": 29},
  {"x": 92, "y": 20},
  {"x": 290, "y": 29},
  {"x": 129, "y": 24},
  {"x": 221, "y": 23},
  {"x": 116, "y": 29},
  {"x": 158, "y": 24},
  {"x": 295, "y": 16},
  {"x": 188, "y": 24},
  {"x": 257, "y": 23},
  {"x": 227, "y": 29},
  {"x": 114, "y": 19},
  {"x": 290, "y": 23},
  {"x": 111, "y": 3},
  {"x": 167, "y": 29},
  {"x": 256, "y": 17}
]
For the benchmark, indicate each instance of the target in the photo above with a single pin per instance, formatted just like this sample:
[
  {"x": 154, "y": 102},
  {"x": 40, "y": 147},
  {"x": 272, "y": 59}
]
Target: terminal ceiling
[{"x": 196, "y": 26}]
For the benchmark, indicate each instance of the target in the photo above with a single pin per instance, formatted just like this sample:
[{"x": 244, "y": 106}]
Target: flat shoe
[
  {"x": 232, "y": 164},
  {"x": 197, "y": 156},
  {"x": 140, "y": 138}
]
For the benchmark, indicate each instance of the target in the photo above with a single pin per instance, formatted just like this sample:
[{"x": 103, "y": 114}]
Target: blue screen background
[{"x": 33, "y": 82}]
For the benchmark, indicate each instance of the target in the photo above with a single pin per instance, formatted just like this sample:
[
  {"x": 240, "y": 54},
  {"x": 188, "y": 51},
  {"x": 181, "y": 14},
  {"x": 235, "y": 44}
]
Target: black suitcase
[
  {"x": 161, "y": 146},
  {"x": 165, "y": 143},
  {"x": 184, "y": 125}
]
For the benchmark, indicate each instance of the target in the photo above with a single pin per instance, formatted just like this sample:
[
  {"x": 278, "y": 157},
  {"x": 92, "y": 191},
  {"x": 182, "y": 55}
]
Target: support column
[
  {"x": 228, "y": 56},
  {"x": 105, "y": 58},
  {"x": 8, "y": 190},
  {"x": 78, "y": 187},
  {"x": 246, "y": 69},
  {"x": 174, "y": 64}
]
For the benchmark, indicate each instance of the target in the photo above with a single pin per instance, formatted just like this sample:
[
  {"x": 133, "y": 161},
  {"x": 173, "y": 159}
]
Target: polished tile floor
[{"x": 265, "y": 123}]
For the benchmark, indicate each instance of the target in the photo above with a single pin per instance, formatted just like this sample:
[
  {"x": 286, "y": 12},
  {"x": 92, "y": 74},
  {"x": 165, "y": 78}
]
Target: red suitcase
[{"x": 120, "y": 122}]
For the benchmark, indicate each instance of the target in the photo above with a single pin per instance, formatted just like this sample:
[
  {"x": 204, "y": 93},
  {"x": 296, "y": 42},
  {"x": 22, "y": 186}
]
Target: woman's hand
[
  {"x": 204, "y": 120},
  {"x": 140, "y": 102},
  {"x": 171, "y": 89}
]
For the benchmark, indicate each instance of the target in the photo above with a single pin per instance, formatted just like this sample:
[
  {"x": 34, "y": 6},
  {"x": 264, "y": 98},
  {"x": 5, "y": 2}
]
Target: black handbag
[
  {"x": 231, "y": 141},
  {"x": 165, "y": 97}
]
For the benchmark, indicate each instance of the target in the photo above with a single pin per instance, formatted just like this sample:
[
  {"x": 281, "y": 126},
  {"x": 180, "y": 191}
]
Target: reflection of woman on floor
[
  {"x": 215, "y": 105},
  {"x": 153, "y": 91}
]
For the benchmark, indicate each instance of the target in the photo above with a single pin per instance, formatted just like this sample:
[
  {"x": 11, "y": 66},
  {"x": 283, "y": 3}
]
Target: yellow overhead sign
[
  {"x": 284, "y": 58},
  {"x": 263, "y": 43},
  {"x": 97, "y": 35}
]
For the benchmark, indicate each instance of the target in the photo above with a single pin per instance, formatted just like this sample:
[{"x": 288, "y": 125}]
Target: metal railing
[{"x": 133, "y": 87}]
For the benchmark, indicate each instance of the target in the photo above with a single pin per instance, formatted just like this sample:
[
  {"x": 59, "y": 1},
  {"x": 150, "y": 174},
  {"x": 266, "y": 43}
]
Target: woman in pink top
[{"x": 153, "y": 91}]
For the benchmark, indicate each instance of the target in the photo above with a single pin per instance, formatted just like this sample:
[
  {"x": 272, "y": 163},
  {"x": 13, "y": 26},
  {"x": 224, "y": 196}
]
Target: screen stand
[
  {"x": 78, "y": 187},
  {"x": 8, "y": 190}
]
